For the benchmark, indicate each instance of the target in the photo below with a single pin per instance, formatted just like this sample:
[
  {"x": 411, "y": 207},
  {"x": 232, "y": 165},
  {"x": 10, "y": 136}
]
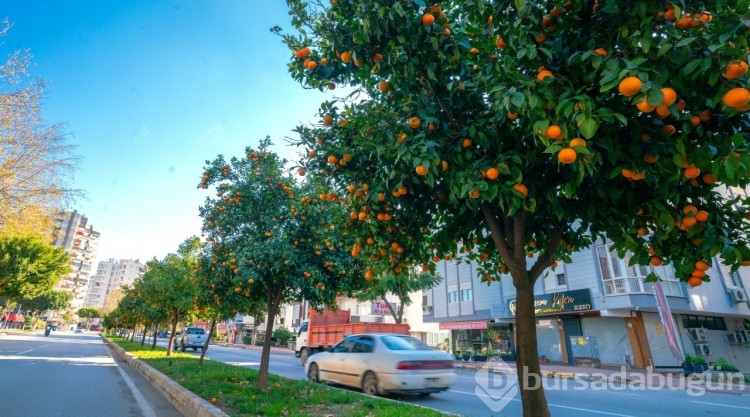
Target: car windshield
[
  {"x": 404, "y": 343},
  {"x": 195, "y": 331}
]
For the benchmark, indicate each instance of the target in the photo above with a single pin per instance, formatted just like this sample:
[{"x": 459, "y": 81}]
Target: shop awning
[{"x": 15, "y": 317}]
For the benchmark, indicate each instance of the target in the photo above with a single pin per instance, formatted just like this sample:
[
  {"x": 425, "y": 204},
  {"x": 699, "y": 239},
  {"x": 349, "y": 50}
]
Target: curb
[{"x": 186, "y": 402}]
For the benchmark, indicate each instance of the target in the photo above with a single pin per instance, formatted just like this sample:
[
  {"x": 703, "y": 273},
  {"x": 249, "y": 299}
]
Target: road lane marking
[
  {"x": 551, "y": 405},
  {"x": 139, "y": 399},
  {"x": 25, "y": 351},
  {"x": 723, "y": 405}
]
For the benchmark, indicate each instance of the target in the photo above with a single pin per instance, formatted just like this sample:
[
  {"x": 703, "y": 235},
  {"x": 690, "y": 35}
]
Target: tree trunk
[
  {"x": 273, "y": 307},
  {"x": 527, "y": 355},
  {"x": 145, "y": 331},
  {"x": 175, "y": 317},
  {"x": 208, "y": 339},
  {"x": 156, "y": 331}
]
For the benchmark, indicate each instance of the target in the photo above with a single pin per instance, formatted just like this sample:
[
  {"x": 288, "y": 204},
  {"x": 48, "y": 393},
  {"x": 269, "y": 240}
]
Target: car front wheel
[
  {"x": 370, "y": 384},
  {"x": 313, "y": 374}
]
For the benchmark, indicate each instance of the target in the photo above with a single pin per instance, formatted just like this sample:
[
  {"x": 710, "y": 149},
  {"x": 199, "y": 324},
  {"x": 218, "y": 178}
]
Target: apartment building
[
  {"x": 77, "y": 238},
  {"x": 110, "y": 275},
  {"x": 598, "y": 308}
]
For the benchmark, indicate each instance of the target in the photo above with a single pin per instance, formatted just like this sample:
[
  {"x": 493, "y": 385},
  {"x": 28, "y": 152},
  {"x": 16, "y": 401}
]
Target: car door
[
  {"x": 360, "y": 360},
  {"x": 332, "y": 365}
]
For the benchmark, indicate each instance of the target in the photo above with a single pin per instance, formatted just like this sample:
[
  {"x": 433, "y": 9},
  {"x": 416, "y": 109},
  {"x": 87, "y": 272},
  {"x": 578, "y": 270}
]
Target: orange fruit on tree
[
  {"x": 421, "y": 170},
  {"x": 662, "y": 111},
  {"x": 428, "y": 19},
  {"x": 670, "y": 96},
  {"x": 735, "y": 70},
  {"x": 555, "y": 12},
  {"x": 500, "y": 43},
  {"x": 695, "y": 120},
  {"x": 301, "y": 172},
  {"x": 346, "y": 57},
  {"x": 327, "y": 120},
  {"x": 698, "y": 273},
  {"x": 368, "y": 274},
  {"x": 702, "y": 265},
  {"x": 544, "y": 74},
  {"x": 414, "y": 122},
  {"x": 577, "y": 142},
  {"x": 644, "y": 106},
  {"x": 655, "y": 261},
  {"x": 553, "y": 132},
  {"x": 701, "y": 216},
  {"x": 567, "y": 156},
  {"x": 694, "y": 281},
  {"x": 600, "y": 51},
  {"x": 377, "y": 57},
  {"x": 521, "y": 189},
  {"x": 332, "y": 159},
  {"x": 474, "y": 193},
  {"x": 650, "y": 159},
  {"x": 311, "y": 65},
  {"x": 493, "y": 173},
  {"x": 474, "y": 50},
  {"x": 690, "y": 210},
  {"x": 709, "y": 178},
  {"x": 692, "y": 172},
  {"x": 736, "y": 97},
  {"x": 669, "y": 129},
  {"x": 512, "y": 115},
  {"x": 630, "y": 86},
  {"x": 466, "y": 143},
  {"x": 383, "y": 86},
  {"x": 444, "y": 165}
]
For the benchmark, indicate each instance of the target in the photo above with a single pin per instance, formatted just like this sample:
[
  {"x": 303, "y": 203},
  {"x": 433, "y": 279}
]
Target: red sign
[{"x": 464, "y": 325}]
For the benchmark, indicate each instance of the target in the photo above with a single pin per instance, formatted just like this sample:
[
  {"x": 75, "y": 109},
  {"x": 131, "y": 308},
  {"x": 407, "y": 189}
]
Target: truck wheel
[
  {"x": 182, "y": 347},
  {"x": 313, "y": 375},
  {"x": 370, "y": 384},
  {"x": 195, "y": 349},
  {"x": 303, "y": 356}
]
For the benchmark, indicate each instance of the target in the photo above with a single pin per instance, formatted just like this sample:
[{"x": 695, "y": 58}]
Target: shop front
[
  {"x": 480, "y": 339},
  {"x": 560, "y": 324}
]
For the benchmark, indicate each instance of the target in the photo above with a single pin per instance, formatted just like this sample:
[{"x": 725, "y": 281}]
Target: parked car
[
  {"x": 79, "y": 330},
  {"x": 382, "y": 363}
]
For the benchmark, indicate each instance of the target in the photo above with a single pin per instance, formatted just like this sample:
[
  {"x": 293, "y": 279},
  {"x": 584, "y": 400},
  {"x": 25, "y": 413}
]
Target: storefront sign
[
  {"x": 464, "y": 325},
  {"x": 559, "y": 302},
  {"x": 380, "y": 308}
]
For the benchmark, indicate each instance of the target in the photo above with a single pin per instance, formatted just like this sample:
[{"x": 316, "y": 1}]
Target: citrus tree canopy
[
  {"x": 270, "y": 240},
  {"x": 523, "y": 130},
  {"x": 29, "y": 267}
]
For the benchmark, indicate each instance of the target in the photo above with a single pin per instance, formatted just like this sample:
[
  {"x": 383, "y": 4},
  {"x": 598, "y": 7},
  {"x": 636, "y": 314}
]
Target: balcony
[{"x": 637, "y": 285}]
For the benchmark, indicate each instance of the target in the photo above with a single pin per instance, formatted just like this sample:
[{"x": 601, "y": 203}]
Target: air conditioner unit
[
  {"x": 732, "y": 338},
  {"x": 737, "y": 294},
  {"x": 698, "y": 335},
  {"x": 741, "y": 336},
  {"x": 427, "y": 309},
  {"x": 702, "y": 349}
]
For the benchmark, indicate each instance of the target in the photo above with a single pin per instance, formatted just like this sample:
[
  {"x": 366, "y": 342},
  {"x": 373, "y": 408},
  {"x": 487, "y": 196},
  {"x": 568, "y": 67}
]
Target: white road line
[
  {"x": 723, "y": 405},
  {"x": 142, "y": 403},
  {"x": 554, "y": 405},
  {"x": 25, "y": 351}
]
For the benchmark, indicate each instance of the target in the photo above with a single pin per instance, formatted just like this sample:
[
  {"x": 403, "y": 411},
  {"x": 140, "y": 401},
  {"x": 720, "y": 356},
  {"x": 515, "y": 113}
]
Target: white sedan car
[{"x": 383, "y": 363}]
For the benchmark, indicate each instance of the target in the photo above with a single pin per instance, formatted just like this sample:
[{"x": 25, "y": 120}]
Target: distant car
[
  {"x": 79, "y": 330},
  {"x": 379, "y": 364}
]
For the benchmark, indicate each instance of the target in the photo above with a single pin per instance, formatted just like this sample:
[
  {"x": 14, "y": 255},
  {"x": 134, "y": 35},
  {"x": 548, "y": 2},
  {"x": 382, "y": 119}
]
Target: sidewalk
[{"x": 670, "y": 379}]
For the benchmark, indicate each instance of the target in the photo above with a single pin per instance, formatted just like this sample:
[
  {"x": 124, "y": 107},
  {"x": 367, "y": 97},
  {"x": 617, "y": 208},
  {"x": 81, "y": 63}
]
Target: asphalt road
[
  {"x": 567, "y": 398},
  {"x": 72, "y": 375}
]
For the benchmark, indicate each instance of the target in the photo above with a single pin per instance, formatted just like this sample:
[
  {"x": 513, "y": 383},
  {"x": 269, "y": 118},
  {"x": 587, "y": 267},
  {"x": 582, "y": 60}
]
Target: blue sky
[{"x": 151, "y": 89}]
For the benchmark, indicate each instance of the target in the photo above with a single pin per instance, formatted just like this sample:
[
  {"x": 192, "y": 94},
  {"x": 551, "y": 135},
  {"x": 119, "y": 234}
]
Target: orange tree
[
  {"x": 271, "y": 241},
  {"x": 520, "y": 131}
]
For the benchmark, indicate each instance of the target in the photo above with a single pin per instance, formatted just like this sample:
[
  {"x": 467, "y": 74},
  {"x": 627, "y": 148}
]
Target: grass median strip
[{"x": 235, "y": 392}]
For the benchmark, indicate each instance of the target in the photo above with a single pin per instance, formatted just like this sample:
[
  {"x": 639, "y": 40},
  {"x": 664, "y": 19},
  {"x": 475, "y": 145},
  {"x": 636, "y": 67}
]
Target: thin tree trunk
[
  {"x": 527, "y": 355},
  {"x": 208, "y": 339},
  {"x": 273, "y": 305},
  {"x": 153, "y": 342},
  {"x": 175, "y": 317},
  {"x": 145, "y": 331}
]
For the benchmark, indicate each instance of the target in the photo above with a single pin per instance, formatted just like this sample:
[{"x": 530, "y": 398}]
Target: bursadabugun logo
[{"x": 496, "y": 389}]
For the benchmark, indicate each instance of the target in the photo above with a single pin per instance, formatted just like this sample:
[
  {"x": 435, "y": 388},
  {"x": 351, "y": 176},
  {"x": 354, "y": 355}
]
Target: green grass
[{"x": 237, "y": 394}]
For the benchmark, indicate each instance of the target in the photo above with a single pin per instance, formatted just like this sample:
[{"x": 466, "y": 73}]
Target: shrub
[{"x": 282, "y": 335}]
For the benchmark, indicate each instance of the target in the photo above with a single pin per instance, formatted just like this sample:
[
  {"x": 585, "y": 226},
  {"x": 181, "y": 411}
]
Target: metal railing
[{"x": 637, "y": 285}]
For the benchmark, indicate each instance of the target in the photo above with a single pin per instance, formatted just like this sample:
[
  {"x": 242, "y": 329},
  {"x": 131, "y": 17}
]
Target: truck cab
[
  {"x": 301, "y": 341},
  {"x": 193, "y": 337}
]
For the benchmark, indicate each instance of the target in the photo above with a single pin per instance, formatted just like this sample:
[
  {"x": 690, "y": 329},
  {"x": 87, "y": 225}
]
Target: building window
[
  {"x": 467, "y": 295},
  {"x": 453, "y": 297},
  {"x": 704, "y": 322},
  {"x": 622, "y": 278},
  {"x": 561, "y": 280}
]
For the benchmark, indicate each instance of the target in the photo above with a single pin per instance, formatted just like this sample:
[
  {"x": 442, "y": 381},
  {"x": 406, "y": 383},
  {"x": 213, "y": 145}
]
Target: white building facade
[
  {"x": 80, "y": 240},
  {"x": 110, "y": 275},
  {"x": 598, "y": 309}
]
